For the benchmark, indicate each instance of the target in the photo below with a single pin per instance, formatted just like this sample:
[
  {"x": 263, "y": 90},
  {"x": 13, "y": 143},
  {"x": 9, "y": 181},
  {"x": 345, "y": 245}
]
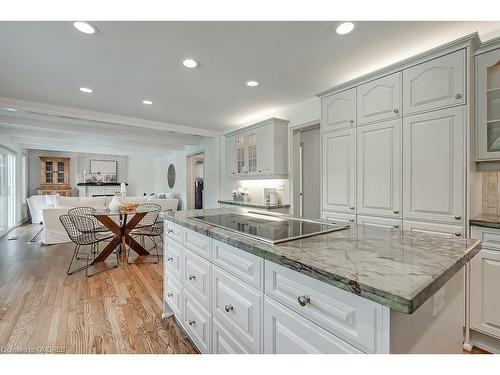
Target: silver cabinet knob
[
  {"x": 396, "y": 110},
  {"x": 191, "y": 322},
  {"x": 351, "y": 220},
  {"x": 351, "y": 121},
  {"x": 192, "y": 277},
  {"x": 351, "y": 207},
  {"x": 396, "y": 211},
  {"x": 458, "y": 234},
  {"x": 228, "y": 308},
  {"x": 458, "y": 96},
  {"x": 396, "y": 226},
  {"x": 170, "y": 231},
  {"x": 303, "y": 300},
  {"x": 170, "y": 259},
  {"x": 458, "y": 217},
  {"x": 170, "y": 295}
]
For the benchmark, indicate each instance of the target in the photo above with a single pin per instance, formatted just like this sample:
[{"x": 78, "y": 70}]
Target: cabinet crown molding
[{"x": 272, "y": 120}]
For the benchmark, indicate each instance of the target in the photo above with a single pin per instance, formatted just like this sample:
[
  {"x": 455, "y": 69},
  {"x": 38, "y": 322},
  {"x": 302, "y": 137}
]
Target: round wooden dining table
[{"x": 118, "y": 222}]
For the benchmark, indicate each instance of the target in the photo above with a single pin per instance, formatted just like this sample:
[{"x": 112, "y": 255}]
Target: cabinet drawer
[
  {"x": 223, "y": 342},
  {"x": 173, "y": 296},
  {"x": 435, "y": 84},
  {"x": 172, "y": 260},
  {"x": 173, "y": 231},
  {"x": 196, "y": 277},
  {"x": 433, "y": 229},
  {"x": 352, "y": 318},
  {"x": 197, "y": 323},
  {"x": 382, "y": 222},
  {"x": 239, "y": 263},
  {"x": 198, "y": 243},
  {"x": 286, "y": 332},
  {"x": 338, "y": 217},
  {"x": 489, "y": 237},
  {"x": 238, "y": 307}
]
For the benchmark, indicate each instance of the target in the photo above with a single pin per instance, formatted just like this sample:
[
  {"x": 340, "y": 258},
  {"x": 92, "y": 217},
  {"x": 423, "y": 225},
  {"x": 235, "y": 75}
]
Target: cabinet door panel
[
  {"x": 224, "y": 342},
  {"x": 265, "y": 150},
  {"x": 196, "y": 276},
  {"x": 435, "y": 84},
  {"x": 197, "y": 323},
  {"x": 379, "y": 169},
  {"x": 379, "y": 100},
  {"x": 434, "y": 166},
  {"x": 339, "y": 176},
  {"x": 286, "y": 332},
  {"x": 338, "y": 111},
  {"x": 485, "y": 294}
]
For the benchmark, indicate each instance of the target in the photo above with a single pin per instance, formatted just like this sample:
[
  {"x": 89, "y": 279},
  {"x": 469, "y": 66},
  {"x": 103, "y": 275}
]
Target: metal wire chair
[
  {"x": 81, "y": 231},
  {"x": 88, "y": 211},
  {"x": 149, "y": 227}
]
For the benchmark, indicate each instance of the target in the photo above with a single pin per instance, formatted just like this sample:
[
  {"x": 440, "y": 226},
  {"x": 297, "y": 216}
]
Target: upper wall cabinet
[
  {"x": 338, "y": 111},
  {"x": 258, "y": 150},
  {"x": 435, "y": 84},
  {"x": 488, "y": 105},
  {"x": 379, "y": 100},
  {"x": 434, "y": 166}
]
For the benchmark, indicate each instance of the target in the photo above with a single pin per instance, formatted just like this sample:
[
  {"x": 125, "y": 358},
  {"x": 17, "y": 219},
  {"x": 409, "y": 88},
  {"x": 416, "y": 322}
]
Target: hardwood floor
[{"x": 115, "y": 311}]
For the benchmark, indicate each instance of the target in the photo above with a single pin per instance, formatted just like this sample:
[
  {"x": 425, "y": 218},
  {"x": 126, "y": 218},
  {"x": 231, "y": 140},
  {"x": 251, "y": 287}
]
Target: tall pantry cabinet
[{"x": 394, "y": 145}]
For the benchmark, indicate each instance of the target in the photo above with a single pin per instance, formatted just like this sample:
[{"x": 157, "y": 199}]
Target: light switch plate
[{"x": 438, "y": 301}]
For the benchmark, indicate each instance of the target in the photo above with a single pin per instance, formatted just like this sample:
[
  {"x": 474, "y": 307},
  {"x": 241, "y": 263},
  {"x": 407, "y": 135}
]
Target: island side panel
[{"x": 436, "y": 326}]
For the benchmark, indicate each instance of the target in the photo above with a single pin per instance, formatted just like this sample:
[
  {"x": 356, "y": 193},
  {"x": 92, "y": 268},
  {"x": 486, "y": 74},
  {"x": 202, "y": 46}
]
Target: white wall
[{"x": 311, "y": 177}]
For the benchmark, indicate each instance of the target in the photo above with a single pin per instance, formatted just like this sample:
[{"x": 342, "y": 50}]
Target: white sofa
[{"x": 54, "y": 231}]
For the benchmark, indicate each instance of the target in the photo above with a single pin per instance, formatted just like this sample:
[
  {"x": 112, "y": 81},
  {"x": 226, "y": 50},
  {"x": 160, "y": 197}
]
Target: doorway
[
  {"x": 195, "y": 167},
  {"x": 305, "y": 158}
]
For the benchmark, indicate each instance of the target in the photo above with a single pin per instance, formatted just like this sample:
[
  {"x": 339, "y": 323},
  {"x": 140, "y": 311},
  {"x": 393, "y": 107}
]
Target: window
[{"x": 24, "y": 179}]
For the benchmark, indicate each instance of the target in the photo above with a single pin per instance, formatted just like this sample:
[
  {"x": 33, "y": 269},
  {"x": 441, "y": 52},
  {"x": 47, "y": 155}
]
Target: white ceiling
[{"x": 125, "y": 62}]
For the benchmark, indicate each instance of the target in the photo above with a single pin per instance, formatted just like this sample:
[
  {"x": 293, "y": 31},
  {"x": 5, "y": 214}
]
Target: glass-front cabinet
[
  {"x": 240, "y": 154},
  {"x": 488, "y": 102},
  {"x": 54, "y": 176}
]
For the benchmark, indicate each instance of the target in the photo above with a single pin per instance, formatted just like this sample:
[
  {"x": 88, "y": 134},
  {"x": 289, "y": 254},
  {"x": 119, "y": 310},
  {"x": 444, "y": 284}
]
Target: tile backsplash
[{"x": 491, "y": 193}]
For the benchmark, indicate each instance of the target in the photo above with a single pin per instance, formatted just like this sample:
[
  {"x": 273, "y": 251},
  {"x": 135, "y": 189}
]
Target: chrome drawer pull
[
  {"x": 303, "y": 300},
  {"x": 170, "y": 259},
  {"x": 192, "y": 277},
  {"x": 396, "y": 211},
  {"x": 396, "y": 226},
  {"x": 458, "y": 217},
  {"x": 458, "y": 234},
  {"x": 228, "y": 308},
  {"x": 351, "y": 207},
  {"x": 170, "y": 295},
  {"x": 396, "y": 110},
  {"x": 458, "y": 96},
  {"x": 191, "y": 322}
]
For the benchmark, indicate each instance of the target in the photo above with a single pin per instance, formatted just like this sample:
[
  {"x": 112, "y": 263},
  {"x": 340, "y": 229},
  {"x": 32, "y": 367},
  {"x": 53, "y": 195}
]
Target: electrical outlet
[{"x": 438, "y": 301}]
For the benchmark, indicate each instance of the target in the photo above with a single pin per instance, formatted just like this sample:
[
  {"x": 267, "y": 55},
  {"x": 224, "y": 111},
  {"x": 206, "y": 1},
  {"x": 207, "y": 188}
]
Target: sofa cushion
[
  {"x": 62, "y": 202},
  {"x": 93, "y": 202},
  {"x": 50, "y": 200}
]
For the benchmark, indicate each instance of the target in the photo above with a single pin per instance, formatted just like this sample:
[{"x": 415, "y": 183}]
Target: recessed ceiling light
[
  {"x": 84, "y": 27},
  {"x": 344, "y": 28},
  {"x": 147, "y": 102},
  {"x": 10, "y": 109},
  {"x": 190, "y": 63},
  {"x": 86, "y": 90},
  {"x": 252, "y": 83}
]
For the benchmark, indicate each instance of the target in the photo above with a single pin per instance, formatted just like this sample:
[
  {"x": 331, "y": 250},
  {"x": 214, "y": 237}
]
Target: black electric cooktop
[{"x": 268, "y": 228}]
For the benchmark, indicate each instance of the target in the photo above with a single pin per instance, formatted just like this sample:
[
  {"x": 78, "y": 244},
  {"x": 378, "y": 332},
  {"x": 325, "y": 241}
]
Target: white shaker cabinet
[
  {"x": 379, "y": 169},
  {"x": 488, "y": 105},
  {"x": 435, "y": 84},
  {"x": 339, "y": 171},
  {"x": 338, "y": 111},
  {"x": 485, "y": 292},
  {"x": 380, "y": 222},
  {"x": 265, "y": 149},
  {"x": 433, "y": 229},
  {"x": 434, "y": 166},
  {"x": 379, "y": 100},
  {"x": 288, "y": 333}
]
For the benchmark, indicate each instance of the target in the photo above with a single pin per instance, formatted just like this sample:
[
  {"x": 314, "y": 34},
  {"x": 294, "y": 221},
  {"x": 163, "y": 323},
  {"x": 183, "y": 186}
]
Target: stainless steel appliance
[{"x": 268, "y": 228}]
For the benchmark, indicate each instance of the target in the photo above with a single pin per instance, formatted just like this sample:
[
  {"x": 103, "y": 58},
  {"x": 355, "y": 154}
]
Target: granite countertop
[
  {"x": 254, "y": 205},
  {"x": 486, "y": 220},
  {"x": 394, "y": 268}
]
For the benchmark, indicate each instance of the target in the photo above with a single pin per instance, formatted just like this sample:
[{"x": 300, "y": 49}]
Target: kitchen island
[{"x": 358, "y": 290}]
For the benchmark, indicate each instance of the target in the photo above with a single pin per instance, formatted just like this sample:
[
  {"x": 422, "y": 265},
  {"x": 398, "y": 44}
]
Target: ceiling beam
[{"x": 80, "y": 114}]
